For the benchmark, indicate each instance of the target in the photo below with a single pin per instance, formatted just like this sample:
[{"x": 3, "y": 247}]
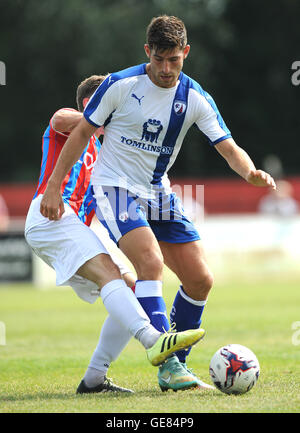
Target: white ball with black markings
[{"x": 234, "y": 369}]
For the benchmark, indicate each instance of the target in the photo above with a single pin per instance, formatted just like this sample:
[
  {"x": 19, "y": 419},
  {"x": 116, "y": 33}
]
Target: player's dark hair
[
  {"x": 166, "y": 32},
  {"x": 86, "y": 88}
]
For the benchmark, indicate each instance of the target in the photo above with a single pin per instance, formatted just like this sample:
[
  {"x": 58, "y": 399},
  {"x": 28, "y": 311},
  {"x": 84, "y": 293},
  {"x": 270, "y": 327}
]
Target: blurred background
[{"x": 242, "y": 52}]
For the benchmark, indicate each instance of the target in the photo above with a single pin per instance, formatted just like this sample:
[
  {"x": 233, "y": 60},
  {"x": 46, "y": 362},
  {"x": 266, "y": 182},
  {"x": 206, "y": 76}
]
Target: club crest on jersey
[
  {"x": 179, "y": 107},
  {"x": 124, "y": 217},
  {"x": 151, "y": 130}
]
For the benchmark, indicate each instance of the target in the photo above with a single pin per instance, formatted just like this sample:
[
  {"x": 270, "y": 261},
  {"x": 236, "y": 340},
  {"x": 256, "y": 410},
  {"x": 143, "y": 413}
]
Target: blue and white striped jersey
[{"x": 145, "y": 126}]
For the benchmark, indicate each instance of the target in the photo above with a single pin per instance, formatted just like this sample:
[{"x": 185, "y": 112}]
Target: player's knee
[
  {"x": 199, "y": 287},
  {"x": 106, "y": 271},
  {"x": 207, "y": 282},
  {"x": 109, "y": 268}
]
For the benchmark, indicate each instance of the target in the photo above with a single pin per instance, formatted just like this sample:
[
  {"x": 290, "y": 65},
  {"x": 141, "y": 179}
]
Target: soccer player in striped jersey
[
  {"x": 147, "y": 110},
  {"x": 82, "y": 261},
  {"x": 75, "y": 186}
]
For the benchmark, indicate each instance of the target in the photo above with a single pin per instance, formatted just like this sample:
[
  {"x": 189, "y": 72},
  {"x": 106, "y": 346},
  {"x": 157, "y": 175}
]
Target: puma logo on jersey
[
  {"x": 110, "y": 80},
  {"x": 133, "y": 95}
]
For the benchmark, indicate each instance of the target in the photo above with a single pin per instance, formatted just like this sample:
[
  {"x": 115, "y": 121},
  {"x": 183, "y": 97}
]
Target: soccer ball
[{"x": 234, "y": 369}]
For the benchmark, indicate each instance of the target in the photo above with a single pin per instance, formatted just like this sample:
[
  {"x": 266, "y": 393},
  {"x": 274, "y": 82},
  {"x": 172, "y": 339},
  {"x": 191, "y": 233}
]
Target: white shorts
[{"x": 66, "y": 245}]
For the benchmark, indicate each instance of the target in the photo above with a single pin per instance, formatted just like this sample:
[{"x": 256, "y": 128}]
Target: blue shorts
[{"x": 121, "y": 211}]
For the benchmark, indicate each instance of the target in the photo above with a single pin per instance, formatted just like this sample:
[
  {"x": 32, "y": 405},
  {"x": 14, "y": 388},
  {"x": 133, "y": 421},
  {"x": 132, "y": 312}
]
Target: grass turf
[{"x": 50, "y": 337}]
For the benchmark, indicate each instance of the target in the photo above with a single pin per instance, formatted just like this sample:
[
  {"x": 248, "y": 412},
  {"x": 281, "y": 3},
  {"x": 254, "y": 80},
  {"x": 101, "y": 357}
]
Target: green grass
[{"x": 50, "y": 336}]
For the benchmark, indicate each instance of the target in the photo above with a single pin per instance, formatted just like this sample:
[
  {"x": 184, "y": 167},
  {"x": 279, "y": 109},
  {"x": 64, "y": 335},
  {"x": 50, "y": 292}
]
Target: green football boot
[
  {"x": 172, "y": 375},
  {"x": 200, "y": 383}
]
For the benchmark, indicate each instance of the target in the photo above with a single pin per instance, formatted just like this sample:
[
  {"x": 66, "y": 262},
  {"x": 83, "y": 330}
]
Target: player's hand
[
  {"x": 52, "y": 205},
  {"x": 261, "y": 178}
]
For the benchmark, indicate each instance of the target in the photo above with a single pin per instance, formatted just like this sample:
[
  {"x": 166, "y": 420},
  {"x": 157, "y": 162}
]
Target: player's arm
[
  {"x": 52, "y": 206},
  {"x": 242, "y": 164},
  {"x": 65, "y": 120}
]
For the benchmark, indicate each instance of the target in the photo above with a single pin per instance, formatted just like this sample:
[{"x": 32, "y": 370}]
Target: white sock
[
  {"x": 148, "y": 336},
  {"x": 113, "y": 338},
  {"x": 94, "y": 377},
  {"x": 122, "y": 305}
]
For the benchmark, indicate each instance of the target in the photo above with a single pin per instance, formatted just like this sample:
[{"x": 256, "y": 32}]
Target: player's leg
[
  {"x": 112, "y": 340},
  {"x": 118, "y": 299},
  {"x": 188, "y": 262},
  {"x": 120, "y": 212},
  {"x": 184, "y": 255},
  {"x": 149, "y": 293},
  {"x": 129, "y": 278},
  {"x": 101, "y": 270},
  {"x": 142, "y": 249},
  {"x": 136, "y": 240}
]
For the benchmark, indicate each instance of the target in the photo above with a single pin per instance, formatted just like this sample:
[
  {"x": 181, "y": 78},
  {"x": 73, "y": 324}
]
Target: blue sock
[
  {"x": 149, "y": 295},
  {"x": 186, "y": 314}
]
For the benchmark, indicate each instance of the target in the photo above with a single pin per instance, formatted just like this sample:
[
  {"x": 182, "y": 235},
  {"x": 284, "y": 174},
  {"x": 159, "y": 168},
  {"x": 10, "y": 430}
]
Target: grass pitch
[{"x": 51, "y": 335}]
